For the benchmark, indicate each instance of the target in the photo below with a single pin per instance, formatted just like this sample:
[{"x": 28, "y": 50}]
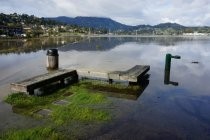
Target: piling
[
  {"x": 168, "y": 62},
  {"x": 168, "y": 68}
]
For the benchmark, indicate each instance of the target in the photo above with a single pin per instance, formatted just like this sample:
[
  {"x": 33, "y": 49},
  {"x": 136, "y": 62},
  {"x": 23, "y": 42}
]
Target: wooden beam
[
  {"x": 131, "y": 75},
  {"x": 29, "y": 85}
]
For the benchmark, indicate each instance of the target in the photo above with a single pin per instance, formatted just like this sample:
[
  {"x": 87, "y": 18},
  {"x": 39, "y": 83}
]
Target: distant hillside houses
[
  {"x": 15, "y": 25},
  {"x": 10, "y": 31},
  {"x": 196, "y": 34}
]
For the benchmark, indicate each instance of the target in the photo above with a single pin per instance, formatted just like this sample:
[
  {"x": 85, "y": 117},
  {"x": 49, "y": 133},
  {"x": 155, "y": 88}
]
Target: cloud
[{"x": 132, "y": 12}]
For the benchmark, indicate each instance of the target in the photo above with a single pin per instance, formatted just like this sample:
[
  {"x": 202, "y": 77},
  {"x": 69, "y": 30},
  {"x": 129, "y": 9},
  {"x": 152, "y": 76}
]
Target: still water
[{"x": 162, "y": 111}]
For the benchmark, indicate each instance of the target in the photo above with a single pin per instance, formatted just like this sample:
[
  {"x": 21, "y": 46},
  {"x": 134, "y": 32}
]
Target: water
[{"x": 161, "y": 111}]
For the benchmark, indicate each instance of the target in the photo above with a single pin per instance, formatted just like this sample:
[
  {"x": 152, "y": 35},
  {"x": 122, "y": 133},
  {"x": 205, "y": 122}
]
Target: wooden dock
[
  {"x": 29, "y": 85},
  {"x": 132, "y": 75}
]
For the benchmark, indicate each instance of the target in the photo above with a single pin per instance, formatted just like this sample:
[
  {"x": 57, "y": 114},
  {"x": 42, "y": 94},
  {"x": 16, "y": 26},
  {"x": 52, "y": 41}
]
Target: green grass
[
  {"x": 62, "y": 115},
  {"x": 81, "y": 106},
  {"x": 106, "y": 87},
  {"x": 24, "y": 104},
  {"x": 38, "y": 133},
  {"x": 85, "y": 106},
  {"x": 84, "y": 96}
]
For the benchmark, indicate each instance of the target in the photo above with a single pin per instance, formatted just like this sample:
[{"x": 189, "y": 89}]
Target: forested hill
[
  {"x": 92, "y": 22},
  {"x": 16, "y": 24},
  {"x": 24, "y": 19},
  {"x": 109, "y": 24}
]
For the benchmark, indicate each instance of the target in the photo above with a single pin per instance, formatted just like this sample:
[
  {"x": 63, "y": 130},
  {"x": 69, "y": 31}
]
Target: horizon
[
  {"x": 134, "y": 12},
  {"x": 111, "y": 19}
]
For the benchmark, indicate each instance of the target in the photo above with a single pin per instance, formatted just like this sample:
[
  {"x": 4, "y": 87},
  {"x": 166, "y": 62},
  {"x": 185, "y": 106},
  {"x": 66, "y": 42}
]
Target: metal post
[
  {"x": 168, "y": 62},
  {"x": 168, "y": 68},
  {"x": 52, "y": 59}
]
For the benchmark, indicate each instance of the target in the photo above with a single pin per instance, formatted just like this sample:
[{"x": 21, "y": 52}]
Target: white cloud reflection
[{"x": 193, "y": 78}]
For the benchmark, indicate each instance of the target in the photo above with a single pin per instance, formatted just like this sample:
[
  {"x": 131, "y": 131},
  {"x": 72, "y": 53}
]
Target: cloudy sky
[{"x": 131, "y": 12}]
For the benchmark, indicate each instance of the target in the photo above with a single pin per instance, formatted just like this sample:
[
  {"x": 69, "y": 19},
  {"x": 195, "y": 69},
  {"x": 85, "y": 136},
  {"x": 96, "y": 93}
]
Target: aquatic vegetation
[
  {"x": 105, "y": 86},
  {"x": 39, "y": 133},
  {"x": 80, "y": 107},
  {"x": 26, "y": 105},
  {"x": 83, "y": 105},
  {"x": 62, "y": 115}
]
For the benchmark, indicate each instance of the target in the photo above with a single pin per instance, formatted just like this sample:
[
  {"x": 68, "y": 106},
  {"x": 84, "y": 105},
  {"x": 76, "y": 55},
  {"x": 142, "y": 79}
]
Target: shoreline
[
  {"x": 106, "y": 35},
  {"x": 138, "y": 36},
  {"x": 17, "y": 39}
]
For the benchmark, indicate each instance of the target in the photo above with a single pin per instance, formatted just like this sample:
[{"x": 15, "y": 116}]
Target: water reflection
[
  {"x": 160, "y": 109},
  {"x": 95, "y": 44},
  {"x": 107, "y": 43},
  {"x": 119, "y": 89},
  {"x": 167, "y": 79},
  {"x": 19, "y": 46},
  {"x": 128, "y": 95}
]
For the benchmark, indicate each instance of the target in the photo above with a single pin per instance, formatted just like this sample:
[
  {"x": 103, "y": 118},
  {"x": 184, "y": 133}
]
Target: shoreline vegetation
[
  {"x": 77, "y": 96},
  {"x": 84, "y": 106},
  {"x": 100, "y": 35}
]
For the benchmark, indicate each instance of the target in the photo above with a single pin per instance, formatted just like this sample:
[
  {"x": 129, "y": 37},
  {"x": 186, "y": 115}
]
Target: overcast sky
[{"x": 131, "y": 12}]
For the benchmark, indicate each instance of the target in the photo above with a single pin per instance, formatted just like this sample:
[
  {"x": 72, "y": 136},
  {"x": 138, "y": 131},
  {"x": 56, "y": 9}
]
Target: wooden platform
[
  {"x": 131, "y": 75},
  {"x": 29, "y": 85}
]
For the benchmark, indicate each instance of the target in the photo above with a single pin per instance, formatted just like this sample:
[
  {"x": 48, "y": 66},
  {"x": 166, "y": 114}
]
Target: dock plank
[
  {"x": 89, "y": 74},
  {"x": 135, "y": 72},
  {"x": 131, "y": 75}
]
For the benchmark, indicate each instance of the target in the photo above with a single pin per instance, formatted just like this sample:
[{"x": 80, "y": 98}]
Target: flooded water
[{"x": 162, "y": 111}]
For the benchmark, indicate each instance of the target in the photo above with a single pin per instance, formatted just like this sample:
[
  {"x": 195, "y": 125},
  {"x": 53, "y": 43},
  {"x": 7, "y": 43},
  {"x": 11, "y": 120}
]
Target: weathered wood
[
  {"x": 89, "y": 74},
  {"x": 131, "y": 75},
  {"x": 29, "y": 85}
]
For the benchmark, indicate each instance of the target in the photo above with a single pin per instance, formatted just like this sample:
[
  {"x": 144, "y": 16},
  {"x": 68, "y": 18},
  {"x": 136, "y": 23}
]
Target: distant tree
[{"x": 188, "y": 30}]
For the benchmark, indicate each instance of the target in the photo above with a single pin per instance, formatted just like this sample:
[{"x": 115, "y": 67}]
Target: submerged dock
[
  {"x": 29, "y": 85},
  {"x": 132, "y": 75}
]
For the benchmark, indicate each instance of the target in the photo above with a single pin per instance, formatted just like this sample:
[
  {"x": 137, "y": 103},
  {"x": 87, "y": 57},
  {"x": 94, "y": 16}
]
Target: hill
[
  {"x": 93, "y": 22},
  {"x": 169, "y": 25},
  {"x": 109, "y": 24},
  {"x": 31, "y": 26}
]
